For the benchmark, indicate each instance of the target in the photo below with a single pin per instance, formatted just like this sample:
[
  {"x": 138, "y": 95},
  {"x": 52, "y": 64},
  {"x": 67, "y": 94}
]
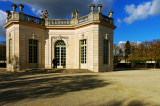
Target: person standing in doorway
[{"x": 54, "y": 61}]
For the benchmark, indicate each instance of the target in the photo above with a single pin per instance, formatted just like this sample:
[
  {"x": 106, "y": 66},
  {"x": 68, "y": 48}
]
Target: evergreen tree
[{"x": 127, "y": 50}]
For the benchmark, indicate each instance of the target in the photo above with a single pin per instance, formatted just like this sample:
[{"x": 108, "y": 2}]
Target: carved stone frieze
[{"x": 60, "y": 37}]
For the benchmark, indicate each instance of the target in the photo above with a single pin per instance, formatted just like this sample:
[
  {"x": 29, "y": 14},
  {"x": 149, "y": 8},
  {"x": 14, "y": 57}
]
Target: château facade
[{"x": 78, "y": 43}]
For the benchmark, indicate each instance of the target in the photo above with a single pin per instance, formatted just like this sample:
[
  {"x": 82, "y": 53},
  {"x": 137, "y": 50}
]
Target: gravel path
[{"x": 119, "y": 88}]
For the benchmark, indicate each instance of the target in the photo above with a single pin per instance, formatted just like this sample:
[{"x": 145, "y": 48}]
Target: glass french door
[
  {"x": 83, "y": 52},
  {"x": 60, "y": 53},
  {"x": 33, "y": 53}
]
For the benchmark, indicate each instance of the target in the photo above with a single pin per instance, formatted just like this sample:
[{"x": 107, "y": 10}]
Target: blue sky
[{"x": 136, "y": 20}]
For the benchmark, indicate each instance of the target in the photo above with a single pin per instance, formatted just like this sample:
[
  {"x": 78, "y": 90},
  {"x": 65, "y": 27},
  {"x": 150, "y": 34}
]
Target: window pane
[
  {"x": 10, "y": 51},
  {"x": 60, "y": 52},
  {"x": 105, "y": 52},
  {"x": 83, "y": 50},
  {"x": 33, "y": 51}
]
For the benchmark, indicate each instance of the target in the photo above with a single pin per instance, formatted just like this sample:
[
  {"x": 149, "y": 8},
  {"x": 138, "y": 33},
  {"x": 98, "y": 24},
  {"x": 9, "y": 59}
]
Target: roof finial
[
  {"x": 110, "y": 14},
  {"x": 99, "y": 7},
  {"x": 21, "y": 6},
  {"x": 14, "y": 6},
  {"x": 92, "y": 7}
]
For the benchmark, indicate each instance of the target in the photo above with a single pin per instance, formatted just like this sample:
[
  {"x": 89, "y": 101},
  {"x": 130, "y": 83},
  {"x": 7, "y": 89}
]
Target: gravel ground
[{"x": 118, "y": 88}]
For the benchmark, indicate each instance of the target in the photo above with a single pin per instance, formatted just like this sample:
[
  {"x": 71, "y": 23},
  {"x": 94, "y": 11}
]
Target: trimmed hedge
[{"x": 136, "y": 65}]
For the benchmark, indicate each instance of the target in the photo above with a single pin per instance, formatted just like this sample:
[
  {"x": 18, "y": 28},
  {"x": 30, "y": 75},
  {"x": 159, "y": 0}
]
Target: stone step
[{"x": 38, "y": 70}]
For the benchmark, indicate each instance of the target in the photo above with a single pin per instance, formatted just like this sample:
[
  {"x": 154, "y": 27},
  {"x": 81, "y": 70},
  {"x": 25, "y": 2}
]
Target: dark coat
[{"x": 54, "y": 61}]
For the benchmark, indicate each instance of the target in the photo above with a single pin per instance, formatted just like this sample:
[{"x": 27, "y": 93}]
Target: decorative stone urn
[
  {"x": 99, "y": 7},
  {"x": 110, "y": 14},
  {"x": 21, "y": 6},
  {"x": 92, "y": 7},
  {"x": 14, "y": 6}
]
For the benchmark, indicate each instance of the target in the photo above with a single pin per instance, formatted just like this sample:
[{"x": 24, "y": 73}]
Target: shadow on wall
[{"x": 16, "y": 87}]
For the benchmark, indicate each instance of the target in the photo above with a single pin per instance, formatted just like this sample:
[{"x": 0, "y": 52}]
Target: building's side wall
[
  {"x": 90, "y": 33},
  {"x": 105, "y": 33},
  {"x": 26, "y": 33},
  {"x": 12, "y": 32}
]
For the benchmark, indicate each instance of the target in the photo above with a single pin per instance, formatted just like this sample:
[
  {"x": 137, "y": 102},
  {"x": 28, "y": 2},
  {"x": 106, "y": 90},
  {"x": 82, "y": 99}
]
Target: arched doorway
[{"x": 60, "y": 53}]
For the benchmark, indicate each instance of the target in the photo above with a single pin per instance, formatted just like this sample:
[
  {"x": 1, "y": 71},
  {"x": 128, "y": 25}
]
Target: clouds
[
  {"x": 36, "y": 11},
  {"x": 2, "y": 22},
  {"x": 122, "y": 43},
  {"x": 63, "y": 8},
  {"x": 119, "y": 21},
  {"x": 142, "y": 11}
]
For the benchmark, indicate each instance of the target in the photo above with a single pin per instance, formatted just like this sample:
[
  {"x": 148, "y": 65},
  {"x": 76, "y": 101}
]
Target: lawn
[{"x": 118, "y": 88}]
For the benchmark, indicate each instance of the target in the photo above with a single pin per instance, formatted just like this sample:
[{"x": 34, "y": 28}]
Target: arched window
[
  {"x": 60, "y": 53},
  {"x": 60, "y": 43}
]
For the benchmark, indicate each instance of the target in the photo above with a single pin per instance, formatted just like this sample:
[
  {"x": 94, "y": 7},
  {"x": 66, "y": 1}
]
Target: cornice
[{"x": 9, "y": 24}]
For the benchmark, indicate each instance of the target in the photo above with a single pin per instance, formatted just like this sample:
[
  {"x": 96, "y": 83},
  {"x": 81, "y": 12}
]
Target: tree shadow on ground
[
  {"x": 7, "y": 76},
  {"x": 15, "y": 87},
  {"x": 127, "y": 69},
  {"x": 126, "y": 103}
]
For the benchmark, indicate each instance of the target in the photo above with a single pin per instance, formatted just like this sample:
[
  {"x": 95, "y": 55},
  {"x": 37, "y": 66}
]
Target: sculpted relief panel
[{"x": 60, "y": 37}]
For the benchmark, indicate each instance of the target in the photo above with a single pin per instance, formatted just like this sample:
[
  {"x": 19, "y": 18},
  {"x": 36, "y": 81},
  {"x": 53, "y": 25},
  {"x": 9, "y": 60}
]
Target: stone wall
[
  {"x": 12, "y": 33},
  {"x": 20, "y": 35},
  {"x": 105, "y": 33},
  {"x": 26, "y": 33}
]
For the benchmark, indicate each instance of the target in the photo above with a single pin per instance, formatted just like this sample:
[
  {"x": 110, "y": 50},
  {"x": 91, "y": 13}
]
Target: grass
[{"x": 118, "y": 88}]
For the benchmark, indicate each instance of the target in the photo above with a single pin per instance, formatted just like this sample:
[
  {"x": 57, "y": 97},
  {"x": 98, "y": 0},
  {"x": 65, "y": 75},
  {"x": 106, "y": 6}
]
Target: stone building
[{"x": 78, "y": 43}]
